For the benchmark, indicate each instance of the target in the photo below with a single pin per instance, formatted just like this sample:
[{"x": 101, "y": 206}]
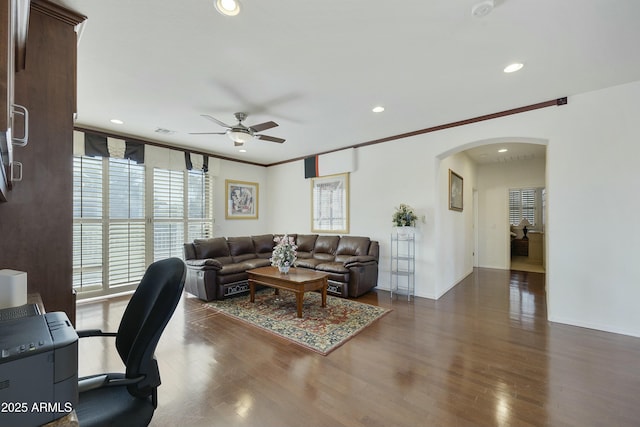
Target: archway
[{"x": 493, "y": 176}]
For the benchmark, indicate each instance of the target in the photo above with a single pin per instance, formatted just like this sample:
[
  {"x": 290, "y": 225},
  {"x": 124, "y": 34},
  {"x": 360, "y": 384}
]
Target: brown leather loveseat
[{"x": 217, "y": 267}]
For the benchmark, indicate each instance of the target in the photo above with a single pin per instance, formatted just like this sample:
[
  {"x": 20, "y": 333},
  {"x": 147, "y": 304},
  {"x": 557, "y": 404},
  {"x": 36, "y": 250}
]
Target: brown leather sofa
[{"x": 217, "y": 267}]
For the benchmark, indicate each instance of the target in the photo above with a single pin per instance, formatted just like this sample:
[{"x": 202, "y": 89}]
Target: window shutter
[
  {"x": 168, "y": 213},
  {"x": 87, "y": 223},
  {"x": 199, "y": 205},
  {"x": 117, "y": 225},
  {"x": 529, "y": 205},
  {"x": 522, "y": 204},
  {"x": 126, "y": 222}
]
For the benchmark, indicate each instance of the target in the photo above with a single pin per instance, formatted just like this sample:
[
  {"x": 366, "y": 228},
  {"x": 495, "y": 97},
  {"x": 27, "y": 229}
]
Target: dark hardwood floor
[{"x": 482, "y": 355}]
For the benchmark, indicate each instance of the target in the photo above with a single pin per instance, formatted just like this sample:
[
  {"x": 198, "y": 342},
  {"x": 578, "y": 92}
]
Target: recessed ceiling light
[
  {"x": 116, "y": 121},
  {"x": 482, "y": 9},
  {"x": 228, "y": 7},
  {"x": 511, "y": 68},
  {"x": 502, "y": 150},
  {"x": 242, "y": 150},
  {"x": 378, "y": 109}
]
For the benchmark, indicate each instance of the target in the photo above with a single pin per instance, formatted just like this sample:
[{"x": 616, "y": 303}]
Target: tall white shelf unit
[{"x": 403, "y": 264}]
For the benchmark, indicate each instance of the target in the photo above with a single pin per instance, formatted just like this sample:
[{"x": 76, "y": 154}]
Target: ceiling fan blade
[
  {"x": 263, "y": 126},
  {"x": 207, "y": 133},
  {"x": 213, "y": 119},
  {"x": 269, "y": 138}
]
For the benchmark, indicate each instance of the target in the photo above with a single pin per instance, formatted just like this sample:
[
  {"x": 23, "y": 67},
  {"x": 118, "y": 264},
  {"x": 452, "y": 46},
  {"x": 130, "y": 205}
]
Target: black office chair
[{"x": 130, "y": 399}]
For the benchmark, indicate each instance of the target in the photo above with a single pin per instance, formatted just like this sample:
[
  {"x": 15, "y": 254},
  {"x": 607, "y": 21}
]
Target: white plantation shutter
[
  {"x": 168, "y": 213},
  {"x": 87, "y": 223},
  {"x": 127, "y": 215},
  {"x": 529, "y": 205},
  {"x": 199, "y": 206},
  {"x": 126, "y": 222},
  {"x": 522, "y": 204}
]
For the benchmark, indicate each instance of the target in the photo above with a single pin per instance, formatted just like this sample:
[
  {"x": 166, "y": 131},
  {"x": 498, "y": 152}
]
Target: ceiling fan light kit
[
  {"x": 240, "y": 133},
  {"x": 239, "y": 137}
]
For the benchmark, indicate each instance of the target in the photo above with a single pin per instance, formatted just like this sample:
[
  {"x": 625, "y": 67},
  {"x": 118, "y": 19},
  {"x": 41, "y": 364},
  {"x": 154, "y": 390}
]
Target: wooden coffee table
[{"x": 298, "y": 280}]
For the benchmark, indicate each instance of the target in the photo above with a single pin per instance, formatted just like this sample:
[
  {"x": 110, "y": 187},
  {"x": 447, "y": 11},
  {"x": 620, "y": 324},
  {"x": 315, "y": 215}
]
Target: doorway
[{"x": 526, "y": 227}]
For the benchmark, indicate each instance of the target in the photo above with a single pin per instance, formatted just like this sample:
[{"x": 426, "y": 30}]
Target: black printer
[{"x": 38, "y": 369}]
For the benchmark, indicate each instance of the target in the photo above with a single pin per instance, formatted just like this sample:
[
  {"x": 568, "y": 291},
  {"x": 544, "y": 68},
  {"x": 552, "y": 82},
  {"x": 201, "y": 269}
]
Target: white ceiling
[
  {"x": 318, "y": 67},
  {"x": 494, "y": 153}
]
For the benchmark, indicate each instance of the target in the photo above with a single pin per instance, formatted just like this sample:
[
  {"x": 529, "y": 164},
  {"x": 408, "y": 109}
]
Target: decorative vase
[
  {"x": 284, "y": 269},
  {"x": 405, "y": 230}
]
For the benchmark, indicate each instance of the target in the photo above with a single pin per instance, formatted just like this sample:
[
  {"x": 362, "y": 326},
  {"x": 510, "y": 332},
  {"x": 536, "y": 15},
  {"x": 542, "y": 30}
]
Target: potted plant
[
  {"x": 284, "y": 254},
  {"x": 403, "y": 218}
]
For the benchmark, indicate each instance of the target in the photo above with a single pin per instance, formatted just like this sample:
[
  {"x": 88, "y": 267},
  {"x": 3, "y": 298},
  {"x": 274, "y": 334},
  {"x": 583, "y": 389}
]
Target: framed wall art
[
  {"x": 330, "y": 204},
  {"x": 455, "y": 191},
  {"x": 241, "y": 200}
]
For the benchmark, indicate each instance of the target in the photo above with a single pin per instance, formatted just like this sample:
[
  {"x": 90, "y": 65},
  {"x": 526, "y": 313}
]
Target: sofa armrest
[
  {"x": 363, "y": 276},
  {"x": 355, "y": 261},
  {"x": 204, "y": 264}
]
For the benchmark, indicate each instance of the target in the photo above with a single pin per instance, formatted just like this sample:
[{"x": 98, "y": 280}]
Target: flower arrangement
[
  {"x": 404, "y": 216},
  {"x": 284, "y": 254}
]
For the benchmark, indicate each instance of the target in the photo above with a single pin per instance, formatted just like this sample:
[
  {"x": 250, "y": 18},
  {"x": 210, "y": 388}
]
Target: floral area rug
[{"x": 321, "y": 329}]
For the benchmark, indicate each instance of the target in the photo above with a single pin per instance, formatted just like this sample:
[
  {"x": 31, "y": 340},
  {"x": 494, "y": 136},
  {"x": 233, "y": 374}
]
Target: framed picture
[
  {"x": 241, "y": 200},
  {"x": 455, "y": 191},
  {"x": 330, "y": 204}
]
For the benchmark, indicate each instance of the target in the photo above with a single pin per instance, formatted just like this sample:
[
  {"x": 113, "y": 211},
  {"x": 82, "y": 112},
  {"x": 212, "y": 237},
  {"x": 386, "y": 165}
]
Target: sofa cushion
[
  {"x": 325, "y": 247},
  {"x": 250, "y": 264},
  {"x": 332, "y": 267},
  {"x": 308, "y": 263},
  {"x": 351, "y": 246},
  {"x": 215, "y": 247},
  {"x": 263, "y": 245},
  {"x": 306, "y": 243},
  {"x": 241, "y": 248},
  {"x": 233, "y": 268}
]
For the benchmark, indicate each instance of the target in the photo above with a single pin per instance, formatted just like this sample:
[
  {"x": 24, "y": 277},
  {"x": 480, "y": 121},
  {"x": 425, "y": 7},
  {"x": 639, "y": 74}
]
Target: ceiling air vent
[{"x": 163, "y": 131}]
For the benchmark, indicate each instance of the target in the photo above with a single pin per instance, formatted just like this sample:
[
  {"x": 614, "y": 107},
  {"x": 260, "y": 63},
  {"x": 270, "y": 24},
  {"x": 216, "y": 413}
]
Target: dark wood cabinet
[
  {"x": 520, "y": 247},
  {"x": 14, "y": 19},
  {"x": 36, "y": 225},
  {"x": 6, "y": 62}
]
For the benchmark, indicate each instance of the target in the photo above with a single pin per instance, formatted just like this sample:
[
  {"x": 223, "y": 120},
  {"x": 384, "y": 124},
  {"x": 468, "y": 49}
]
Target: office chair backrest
[{"x": 144, "y": 320}]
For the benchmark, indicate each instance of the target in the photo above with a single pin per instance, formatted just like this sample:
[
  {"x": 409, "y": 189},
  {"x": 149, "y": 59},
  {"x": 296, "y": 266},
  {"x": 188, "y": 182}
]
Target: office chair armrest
[
  {"x": 105, "y": 380},
  {"x": 94, "y": 333}
]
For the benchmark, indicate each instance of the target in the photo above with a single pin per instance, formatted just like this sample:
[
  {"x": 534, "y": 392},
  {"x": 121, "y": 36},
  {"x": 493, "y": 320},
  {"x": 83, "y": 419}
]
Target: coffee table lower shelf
[{"x": 297, "y": 280}]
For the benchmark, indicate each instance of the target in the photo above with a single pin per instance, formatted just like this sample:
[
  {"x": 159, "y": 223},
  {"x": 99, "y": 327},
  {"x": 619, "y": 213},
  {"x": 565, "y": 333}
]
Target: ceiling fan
[{"x": 240, "y": 133}]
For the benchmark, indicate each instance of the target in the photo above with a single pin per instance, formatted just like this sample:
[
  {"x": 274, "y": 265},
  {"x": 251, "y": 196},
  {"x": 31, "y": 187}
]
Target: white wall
[
  {"x": 239, "y": 172},
  {"x": 494, "y": 182},
  {"x": 593, "y": 275},
  {"x": 592, "y": 189},
  {"x": 454, "y": 230}
]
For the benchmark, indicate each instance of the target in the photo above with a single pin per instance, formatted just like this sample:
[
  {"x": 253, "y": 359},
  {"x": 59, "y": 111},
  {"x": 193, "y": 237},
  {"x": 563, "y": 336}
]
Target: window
[
  {"x": 87, "y": 224},
  {"x": 525, "y": 203},
  {"x": 126, "y": 222},
  {"x": 119, "y": 229},
  {"x": 199, "y": 224},
  {"x": 330, "y": 204}
]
